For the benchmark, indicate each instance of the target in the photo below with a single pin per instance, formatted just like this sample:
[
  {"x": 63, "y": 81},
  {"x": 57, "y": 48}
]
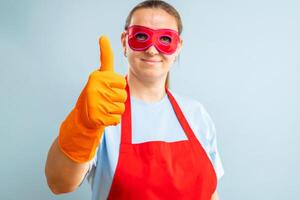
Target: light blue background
[{"x": 240, "y": 59}]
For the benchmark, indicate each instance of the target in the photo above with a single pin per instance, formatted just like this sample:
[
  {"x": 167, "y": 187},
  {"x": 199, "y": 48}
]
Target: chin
[{"x": 151, "y": 75}]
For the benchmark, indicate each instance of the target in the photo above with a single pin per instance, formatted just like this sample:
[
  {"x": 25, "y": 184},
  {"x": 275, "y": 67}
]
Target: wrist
[{"x": 76, "y": 140}]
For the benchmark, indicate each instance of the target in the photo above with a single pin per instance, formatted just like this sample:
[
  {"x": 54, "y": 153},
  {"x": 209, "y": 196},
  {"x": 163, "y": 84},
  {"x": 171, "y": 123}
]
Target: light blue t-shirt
[{"x": 152, "y": 122}]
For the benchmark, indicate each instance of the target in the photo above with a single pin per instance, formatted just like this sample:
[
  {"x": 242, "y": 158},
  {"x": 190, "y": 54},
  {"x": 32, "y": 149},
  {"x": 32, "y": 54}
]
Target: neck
[{"x": 149, "y": 91}]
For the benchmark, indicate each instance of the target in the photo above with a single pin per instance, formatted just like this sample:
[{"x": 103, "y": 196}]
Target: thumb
[{"x": 106, "y": 55}]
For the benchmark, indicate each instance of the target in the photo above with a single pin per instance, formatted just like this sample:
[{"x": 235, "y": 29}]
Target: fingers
[
  {"x": 116, "y": 108},
  {"x": 106, "y": 55},
  {"x": 118, "y": 95},
  {"x": 108, "y": 120},
  {"x": 119, "y": 82},
  {"x": 113, "y": 80},
  {"x": 116, "y": 119},
  {"x": 111, "y": 101},
  {"x": 111, "y": 120},
  {"x": 107, "y": 115},
  {"x": 112, "y": 95}
]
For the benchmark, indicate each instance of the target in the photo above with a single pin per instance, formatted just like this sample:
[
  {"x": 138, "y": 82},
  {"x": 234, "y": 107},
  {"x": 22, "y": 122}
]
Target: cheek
[
  {"x": 169, "y": 59},
  {"x": 133, "y": 57}
]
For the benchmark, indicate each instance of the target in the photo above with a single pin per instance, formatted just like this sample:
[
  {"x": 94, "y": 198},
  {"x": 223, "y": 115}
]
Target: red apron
[{"x": 160, "y": 170}]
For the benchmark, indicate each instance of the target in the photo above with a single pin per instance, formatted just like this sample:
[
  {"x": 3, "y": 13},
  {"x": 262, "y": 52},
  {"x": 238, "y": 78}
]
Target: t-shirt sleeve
[
  {"x": 212, "y": 144},
  {"x": 92, "y": 167}
]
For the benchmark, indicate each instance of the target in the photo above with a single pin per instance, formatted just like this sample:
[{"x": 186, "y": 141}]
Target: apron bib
[{"x": 160, "y": 170}]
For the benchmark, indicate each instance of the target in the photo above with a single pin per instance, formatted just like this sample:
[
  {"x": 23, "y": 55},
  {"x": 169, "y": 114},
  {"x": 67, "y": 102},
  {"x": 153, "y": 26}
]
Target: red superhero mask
[{"x": 141, "y": 38}]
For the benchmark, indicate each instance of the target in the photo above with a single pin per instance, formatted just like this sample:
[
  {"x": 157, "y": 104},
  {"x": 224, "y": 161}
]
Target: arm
[
  {"x": 215, "y": 196},
  {"x": 63, "y": 174},
  {"x": 100, "y": 104}
]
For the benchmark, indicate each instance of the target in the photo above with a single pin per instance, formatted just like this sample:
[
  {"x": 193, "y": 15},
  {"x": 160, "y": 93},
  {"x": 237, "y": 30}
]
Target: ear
[
  {"x": 123, "y": 40},
  {"x": 179, "y": 47}
]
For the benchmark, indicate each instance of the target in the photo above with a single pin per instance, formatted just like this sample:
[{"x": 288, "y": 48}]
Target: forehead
[{"x": 154, "y": 18}]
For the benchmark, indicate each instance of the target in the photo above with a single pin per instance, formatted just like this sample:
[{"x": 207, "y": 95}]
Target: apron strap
[{"x": 126, "y": 127}]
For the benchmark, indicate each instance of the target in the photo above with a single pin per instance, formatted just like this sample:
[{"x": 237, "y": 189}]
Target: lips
[{"x": 151, "y": 60}]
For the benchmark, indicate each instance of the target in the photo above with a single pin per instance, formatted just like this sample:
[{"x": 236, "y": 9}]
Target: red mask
[{"x": 141, "y": 38}]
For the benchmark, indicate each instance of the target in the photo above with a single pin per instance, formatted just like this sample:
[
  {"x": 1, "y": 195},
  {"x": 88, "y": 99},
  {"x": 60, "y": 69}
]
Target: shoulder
[
  {"x": 196, "y": 114},
  {"x": 189, "y": 105}
]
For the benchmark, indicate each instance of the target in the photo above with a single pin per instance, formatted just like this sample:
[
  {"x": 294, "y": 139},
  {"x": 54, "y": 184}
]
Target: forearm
[{"x": 63, "y": 175}]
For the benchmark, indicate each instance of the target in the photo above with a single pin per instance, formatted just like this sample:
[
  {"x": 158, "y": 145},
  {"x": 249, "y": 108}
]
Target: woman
[{"x": 165, "y": 145}]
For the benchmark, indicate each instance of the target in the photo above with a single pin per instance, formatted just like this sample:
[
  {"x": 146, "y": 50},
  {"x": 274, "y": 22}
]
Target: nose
[{"x": 152, "y": 50}]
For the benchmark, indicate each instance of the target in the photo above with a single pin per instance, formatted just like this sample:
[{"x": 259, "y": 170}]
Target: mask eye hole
[
  {"x": 141, "y": 37},
  {"x": 165, "y": 40}
]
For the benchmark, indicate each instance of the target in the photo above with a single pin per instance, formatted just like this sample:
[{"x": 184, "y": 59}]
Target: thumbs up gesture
[
  {"x": 100, "y": 104},
  {"x": 102, "y": 100}
]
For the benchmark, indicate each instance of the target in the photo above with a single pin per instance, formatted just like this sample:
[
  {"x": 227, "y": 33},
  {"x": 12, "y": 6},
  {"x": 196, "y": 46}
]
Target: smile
[{"x": 151, "y": 61}]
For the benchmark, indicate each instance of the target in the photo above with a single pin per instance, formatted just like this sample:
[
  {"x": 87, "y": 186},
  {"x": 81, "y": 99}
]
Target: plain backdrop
[{"x": 240, "y": 59}]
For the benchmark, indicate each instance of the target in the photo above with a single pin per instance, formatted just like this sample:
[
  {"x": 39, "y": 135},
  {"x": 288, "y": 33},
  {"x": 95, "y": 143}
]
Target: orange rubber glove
[{"x": 100, "y": 104}]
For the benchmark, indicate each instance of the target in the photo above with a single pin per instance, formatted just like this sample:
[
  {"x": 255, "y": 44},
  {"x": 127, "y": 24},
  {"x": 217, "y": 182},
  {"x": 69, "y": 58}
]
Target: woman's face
[{"x": 150, "y": 64}]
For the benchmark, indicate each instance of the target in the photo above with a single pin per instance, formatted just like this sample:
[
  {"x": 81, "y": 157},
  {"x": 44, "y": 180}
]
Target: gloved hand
[{"x": 100, "y": 104}]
